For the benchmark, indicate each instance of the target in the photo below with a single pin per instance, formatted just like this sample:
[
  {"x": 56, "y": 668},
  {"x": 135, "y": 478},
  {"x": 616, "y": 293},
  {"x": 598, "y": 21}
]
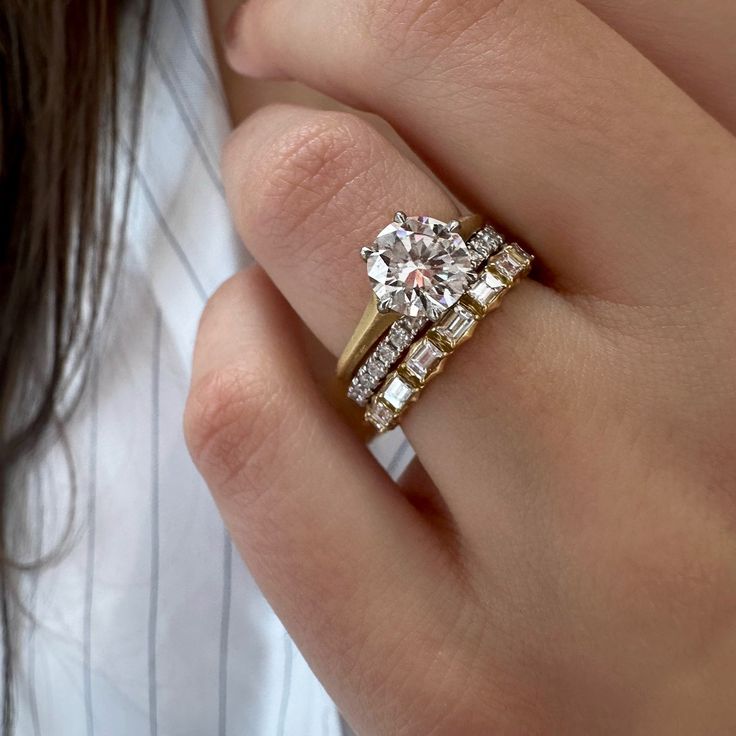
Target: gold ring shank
[
  {"x": 373, "y": 324},
  {"x": 370, "y": 328}
]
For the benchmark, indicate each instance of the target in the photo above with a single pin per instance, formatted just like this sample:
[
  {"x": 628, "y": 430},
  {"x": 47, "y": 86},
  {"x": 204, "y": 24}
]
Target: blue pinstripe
[
  {"x": 209, "y": 72},
  {"x": 190, "y": 125},
  {"x": 155, "y": 542}
]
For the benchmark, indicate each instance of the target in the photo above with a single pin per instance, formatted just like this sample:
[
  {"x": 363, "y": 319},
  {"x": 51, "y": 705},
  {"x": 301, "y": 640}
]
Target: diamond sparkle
[
  {"x": 487, "y": 289},
  {"x": 484, "y": 243},
  {"x": 379, "y": 415},
  {"x": 396, "y": 392},
  {"x": 456, "y": 326},
  {"x": 423, "y": 359},
  {"x": 419, "y": 268},
  {"x": 511, "y": 262}
]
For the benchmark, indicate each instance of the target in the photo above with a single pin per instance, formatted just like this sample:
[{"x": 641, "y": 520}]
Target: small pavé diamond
[
  {"x": 379, "y": 415},
  {"x": 492, "y": 238},
  {"x": 367, "y": 379},
  {"x": 486, "y": 289},
  {"x": 400, "y": 337},
  {"x": 483, "y": 244},
  {"x": 396, "y": 392},
  {"x": 477, "y": 257},
  {"x": 413, "y": 325},
  {"x": 480, "y": 248},
  {"x": 359, "y": 393},
  {"x": 387, "y": 352},
  {"x": 456, "y": 325},
  {"x": 423, "y": 359},
  {"x": 480, "y": 243},
  {"x": 375, "y": 367}
]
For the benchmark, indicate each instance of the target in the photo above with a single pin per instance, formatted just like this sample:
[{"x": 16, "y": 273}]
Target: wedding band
[
  {"x": 427, "y": 276},
  {"x": 482, "y": 243},
  {"x": 388, "y": 255},
  {"x": 426, "y": 357}
]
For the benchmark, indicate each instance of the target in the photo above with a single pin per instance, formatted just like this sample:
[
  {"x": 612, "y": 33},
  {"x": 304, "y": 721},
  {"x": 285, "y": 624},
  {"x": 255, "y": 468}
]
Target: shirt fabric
[{"x": 148, "y": 622}]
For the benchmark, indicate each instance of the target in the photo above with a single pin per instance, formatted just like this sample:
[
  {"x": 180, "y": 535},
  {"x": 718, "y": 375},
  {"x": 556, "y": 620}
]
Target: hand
[{"x": 561, "y": 558}]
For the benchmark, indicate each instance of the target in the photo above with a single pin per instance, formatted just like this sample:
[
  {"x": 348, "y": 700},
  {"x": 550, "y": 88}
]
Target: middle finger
[
  {"x": 306, "y": 190},
  {"x": 535, "y": 112}
]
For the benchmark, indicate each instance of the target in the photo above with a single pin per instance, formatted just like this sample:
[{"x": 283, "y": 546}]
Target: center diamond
[{"x": 418, "y": 268}]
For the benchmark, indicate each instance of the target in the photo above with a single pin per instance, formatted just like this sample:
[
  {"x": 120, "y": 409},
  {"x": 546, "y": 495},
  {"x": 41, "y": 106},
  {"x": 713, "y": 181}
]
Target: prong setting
[
  {"x": 384, "y": 306},
  {"x": 420, "y": 267},
  {"x": 406, "y": 357}
]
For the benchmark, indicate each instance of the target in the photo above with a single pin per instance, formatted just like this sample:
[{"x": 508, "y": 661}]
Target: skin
[{"x": 561, "y": 557}]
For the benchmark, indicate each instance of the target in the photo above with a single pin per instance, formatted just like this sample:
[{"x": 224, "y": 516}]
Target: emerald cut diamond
[
  {"x": 379, "y": 415},
  {"x": 396, "y": 392},
  {"x": 423, "y": 359},
  {"x": 511, "y": 262},
  {"x": 487, "y": 289},
  {"x": 456, "y": 326}
]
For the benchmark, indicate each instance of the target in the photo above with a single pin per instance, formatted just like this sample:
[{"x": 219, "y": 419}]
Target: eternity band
[{"x": 426, "y": 357}]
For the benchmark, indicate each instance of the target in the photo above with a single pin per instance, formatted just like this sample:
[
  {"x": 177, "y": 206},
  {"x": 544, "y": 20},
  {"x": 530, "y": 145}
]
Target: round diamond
[{"x": 418, "y": 268}]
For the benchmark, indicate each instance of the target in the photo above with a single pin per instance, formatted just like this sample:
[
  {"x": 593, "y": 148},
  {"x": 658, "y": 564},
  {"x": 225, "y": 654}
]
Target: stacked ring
[
  {"x": 427, "y": 355},
  {"x": 386, "y": 353},
  {"x": 427, "y": 277}
]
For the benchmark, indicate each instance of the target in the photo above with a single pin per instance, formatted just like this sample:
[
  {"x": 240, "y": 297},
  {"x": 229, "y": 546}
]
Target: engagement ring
[{"x": 432, "y": 282}]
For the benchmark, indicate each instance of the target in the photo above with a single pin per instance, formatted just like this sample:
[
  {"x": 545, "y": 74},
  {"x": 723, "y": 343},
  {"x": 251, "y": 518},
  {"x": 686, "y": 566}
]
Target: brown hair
[{"x": 59, "y": 129}]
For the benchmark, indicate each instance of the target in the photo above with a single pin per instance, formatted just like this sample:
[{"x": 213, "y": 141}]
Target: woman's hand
[{"x": 562, "y": 557}]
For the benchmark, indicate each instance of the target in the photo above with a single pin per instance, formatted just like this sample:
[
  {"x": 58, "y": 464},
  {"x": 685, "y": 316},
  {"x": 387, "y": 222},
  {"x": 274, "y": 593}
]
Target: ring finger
[{"x": 307, "y": 189}]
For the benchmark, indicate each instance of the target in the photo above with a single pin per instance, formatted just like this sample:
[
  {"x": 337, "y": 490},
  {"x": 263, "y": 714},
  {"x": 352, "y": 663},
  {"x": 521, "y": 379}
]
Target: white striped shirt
[{"x": 150, "y": 623}]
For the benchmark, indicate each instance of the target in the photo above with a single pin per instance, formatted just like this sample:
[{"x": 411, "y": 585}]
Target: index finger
[{"x": 538, "y": 114}]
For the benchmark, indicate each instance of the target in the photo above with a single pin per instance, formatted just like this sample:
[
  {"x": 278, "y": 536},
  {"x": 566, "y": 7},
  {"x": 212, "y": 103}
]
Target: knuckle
[
  {"x": 422, "y": 29},
  {"x": 471, "y": 52},
  {"x": 296, "y": 177},
  {"x": 233, "y": 427}
]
